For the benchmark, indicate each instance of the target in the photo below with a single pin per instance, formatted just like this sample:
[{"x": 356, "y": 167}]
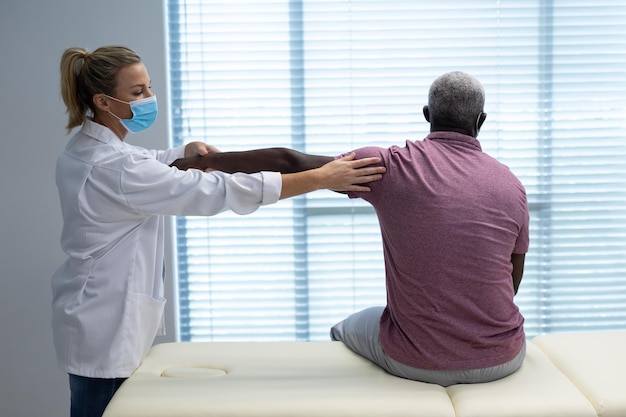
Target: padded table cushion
[
  {"x": 270, "y": 379},
  {"x": 312, "y": 379},
  {"x": 595, "y": 363},
  {"x": 538, "y": 388}
]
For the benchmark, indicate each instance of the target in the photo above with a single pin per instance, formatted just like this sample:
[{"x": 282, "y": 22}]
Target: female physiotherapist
[{"x": 108, "y": 295}]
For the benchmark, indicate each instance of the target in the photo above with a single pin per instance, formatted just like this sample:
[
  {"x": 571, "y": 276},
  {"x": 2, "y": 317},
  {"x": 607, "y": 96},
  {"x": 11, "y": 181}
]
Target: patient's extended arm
[{"x": 282, "y": 160}]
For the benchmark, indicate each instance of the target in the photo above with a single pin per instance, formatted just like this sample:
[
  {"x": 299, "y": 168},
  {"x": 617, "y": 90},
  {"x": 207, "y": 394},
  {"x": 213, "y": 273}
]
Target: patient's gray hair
[{"x": 456, "y": 99}]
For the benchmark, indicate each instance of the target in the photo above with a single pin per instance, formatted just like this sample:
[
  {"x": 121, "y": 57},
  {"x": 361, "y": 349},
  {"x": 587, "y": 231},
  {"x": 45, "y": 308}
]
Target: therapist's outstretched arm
[{"x": 345, "y": 174}]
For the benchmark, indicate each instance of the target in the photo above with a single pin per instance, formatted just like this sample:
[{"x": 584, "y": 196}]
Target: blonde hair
[{"x": 85, "y": 73}]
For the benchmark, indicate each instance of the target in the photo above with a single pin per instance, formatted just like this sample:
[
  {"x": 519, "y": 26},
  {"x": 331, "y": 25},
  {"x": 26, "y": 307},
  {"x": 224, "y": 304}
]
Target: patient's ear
[
  {"x": 426, "y": 113},
  {"x": 481, "y": 119}
]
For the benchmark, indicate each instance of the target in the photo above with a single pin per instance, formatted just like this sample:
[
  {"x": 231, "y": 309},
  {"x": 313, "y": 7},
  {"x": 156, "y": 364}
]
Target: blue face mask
[{"x": 144, "y": 113}]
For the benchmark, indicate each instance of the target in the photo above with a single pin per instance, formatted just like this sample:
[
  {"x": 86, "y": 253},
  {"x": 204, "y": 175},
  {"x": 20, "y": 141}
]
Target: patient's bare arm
[
  {"x": 281, "y": 160},
  {"x": 517, "y": 259}
]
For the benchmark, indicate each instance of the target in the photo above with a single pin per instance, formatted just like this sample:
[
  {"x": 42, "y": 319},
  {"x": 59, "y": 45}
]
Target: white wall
[{"x": 33, "y": 35}]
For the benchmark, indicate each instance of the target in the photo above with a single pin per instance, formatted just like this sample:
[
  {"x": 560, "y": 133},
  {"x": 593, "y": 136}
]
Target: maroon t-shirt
[{"x": 450, "y": 217}]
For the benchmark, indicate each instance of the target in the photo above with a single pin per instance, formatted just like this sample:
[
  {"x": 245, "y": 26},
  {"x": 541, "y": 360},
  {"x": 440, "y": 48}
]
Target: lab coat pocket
[{"x": 140, "y": 324}]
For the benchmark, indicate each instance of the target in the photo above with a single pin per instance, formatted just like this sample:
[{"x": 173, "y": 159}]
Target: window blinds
[{"x": 325, "y": 77}]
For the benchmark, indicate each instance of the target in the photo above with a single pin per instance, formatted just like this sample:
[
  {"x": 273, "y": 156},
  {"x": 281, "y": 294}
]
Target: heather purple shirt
[{"x": 450, "y": 217}]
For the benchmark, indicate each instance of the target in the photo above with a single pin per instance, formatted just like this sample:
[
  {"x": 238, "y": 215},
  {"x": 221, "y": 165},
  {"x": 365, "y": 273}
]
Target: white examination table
[{"x": 578, "y": 375}]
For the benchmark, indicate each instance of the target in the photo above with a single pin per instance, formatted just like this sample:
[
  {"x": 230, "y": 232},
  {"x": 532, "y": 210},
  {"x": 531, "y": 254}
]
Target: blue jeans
[{"x": 90, "y": 396}]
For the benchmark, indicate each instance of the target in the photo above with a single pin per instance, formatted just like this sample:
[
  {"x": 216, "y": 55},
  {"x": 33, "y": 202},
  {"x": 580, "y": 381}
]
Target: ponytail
[{"x": 71, "y": 64}]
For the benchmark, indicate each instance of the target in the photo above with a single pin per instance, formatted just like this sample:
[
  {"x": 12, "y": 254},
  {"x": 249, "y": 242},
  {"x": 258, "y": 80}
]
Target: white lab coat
[{"x": 108, "y": 296}]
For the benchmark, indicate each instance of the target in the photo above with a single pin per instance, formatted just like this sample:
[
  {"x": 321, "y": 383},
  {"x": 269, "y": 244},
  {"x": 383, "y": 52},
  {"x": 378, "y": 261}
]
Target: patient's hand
[{"x": 192, "y": 162}]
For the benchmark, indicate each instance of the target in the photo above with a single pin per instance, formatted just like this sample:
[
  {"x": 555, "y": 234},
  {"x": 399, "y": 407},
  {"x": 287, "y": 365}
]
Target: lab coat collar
[{"x": 100, "y": 133}]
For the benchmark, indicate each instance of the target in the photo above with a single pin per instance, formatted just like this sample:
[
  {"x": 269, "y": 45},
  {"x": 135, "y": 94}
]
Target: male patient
[{"x": 454, "y": 224}]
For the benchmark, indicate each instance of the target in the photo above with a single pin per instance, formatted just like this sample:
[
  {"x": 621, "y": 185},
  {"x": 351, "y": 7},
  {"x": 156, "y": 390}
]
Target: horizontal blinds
[
  {"x": 581, "y": 277},
  {"x": 326, "y": 77}
]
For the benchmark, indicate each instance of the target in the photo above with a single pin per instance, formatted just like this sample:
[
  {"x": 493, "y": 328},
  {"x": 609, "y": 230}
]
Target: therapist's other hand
[
  {"x": 348, "y": 174},
  {"x": 199, "y": 149}
]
